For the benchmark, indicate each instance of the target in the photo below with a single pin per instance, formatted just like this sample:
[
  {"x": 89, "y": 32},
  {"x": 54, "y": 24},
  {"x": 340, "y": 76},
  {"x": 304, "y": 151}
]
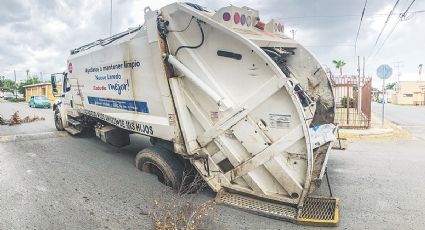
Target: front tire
[
  {"x": 162, "y": 163},
  {"x": 58, "y": 120}
]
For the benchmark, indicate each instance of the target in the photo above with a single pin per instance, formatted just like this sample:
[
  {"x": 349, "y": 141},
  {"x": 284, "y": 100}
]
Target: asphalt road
[
  {"x": 50, "y": 180},
  {"x": 411, "y": 118}
]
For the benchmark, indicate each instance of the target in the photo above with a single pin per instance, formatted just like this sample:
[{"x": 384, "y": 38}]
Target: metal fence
[{"x": 353, "y": 101}]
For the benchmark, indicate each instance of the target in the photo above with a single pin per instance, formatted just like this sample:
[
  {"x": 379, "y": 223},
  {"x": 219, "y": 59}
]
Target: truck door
[{"x": 76, "y": 93}]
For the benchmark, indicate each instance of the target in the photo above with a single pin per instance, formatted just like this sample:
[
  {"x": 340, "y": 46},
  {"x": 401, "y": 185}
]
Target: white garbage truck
[{"x": 231, "y": 94}]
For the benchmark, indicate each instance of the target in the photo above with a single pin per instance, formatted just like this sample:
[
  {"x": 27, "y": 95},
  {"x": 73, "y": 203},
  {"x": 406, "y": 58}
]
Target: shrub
[
  {"x": 17, "y": 100},
  {"x": 344, "y": 102}
]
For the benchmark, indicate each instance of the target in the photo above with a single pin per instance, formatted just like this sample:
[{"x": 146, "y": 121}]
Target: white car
[{"x": 8, "y": 96}]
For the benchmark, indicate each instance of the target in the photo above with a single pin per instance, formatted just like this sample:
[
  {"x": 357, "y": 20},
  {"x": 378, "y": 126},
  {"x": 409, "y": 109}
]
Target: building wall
[
  {"x": 41, "y": 90},
  {"x": 409, "y": 93}
]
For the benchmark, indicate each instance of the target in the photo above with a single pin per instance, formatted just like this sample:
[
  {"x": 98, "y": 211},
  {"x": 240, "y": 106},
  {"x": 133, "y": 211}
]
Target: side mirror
[{"x": 54, "y": 85}]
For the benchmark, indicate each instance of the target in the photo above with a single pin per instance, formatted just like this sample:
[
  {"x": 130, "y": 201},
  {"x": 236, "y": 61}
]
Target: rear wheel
[
  {"x": 58, "y": 120},
  {"x": 162, "y": 163}
]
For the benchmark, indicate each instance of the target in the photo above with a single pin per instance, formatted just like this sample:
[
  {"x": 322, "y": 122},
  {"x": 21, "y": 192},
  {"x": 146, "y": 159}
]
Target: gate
[{"x": 353, "y": 101}]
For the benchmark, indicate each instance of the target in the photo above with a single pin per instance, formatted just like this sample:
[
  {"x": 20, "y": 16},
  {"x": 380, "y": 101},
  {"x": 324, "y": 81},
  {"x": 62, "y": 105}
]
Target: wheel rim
[
  {"x": 58, "y": 120},
  {"x": 152, "y": 168}
]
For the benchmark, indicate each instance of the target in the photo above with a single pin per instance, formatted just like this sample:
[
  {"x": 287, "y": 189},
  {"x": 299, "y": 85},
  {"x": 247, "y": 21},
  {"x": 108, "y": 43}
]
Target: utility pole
[
  {"x": 110, "y": 23},
  {"x": 397, "y": 65},
  {"x": 41, "y": 76},
  {"x": 14, "y": 73},
  {"x": 359, "y": 85},
  {"x": 293, "y": 33},
  {"x": 28, "y": 71}
]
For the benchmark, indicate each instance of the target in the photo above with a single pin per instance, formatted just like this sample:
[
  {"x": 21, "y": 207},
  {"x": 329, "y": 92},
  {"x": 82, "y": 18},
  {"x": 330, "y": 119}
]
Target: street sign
[{"x": 384, "y": 71}]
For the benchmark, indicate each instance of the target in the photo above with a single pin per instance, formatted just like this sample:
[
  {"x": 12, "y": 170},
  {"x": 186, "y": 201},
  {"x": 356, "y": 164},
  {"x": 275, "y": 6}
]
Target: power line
[
  {"x": 302, "y": 17},
  {"x": 412, "y": 14},
  {"x": 358, "y": 30},
  {"x": 382, "y": 30},
  {"x": 408, "y": 8},
  {"x": 401, "y": 17},
  {"x": 385, "y": 24},
  {"x": 386, "y": 38},
  {"x": 331, "y": 16}
]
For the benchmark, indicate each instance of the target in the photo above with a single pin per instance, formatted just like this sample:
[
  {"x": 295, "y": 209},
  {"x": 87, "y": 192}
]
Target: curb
[
  {"x": 392, "y": 132},
  {"x": 32, "y": 136}
]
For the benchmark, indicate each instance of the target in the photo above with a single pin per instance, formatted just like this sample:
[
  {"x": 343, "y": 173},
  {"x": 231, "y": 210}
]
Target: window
[
  {"x": 40, "y": 98},
  {"x": 408, "y": 95}
]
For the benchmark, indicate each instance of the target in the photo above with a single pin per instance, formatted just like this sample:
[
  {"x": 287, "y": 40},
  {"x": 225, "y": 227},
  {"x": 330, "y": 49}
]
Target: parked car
[
  {"x": 39, "y": 102},
  {"x": 8, "y": 96}
]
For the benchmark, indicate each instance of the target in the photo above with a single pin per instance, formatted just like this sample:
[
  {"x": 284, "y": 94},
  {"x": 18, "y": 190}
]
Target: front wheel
[
  {"x": 58, "y": 120},
  {"x": 162, "y": 163}
]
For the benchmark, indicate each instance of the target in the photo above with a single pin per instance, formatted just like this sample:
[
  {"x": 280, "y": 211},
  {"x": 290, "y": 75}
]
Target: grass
[{"x": 16, "y": 100}]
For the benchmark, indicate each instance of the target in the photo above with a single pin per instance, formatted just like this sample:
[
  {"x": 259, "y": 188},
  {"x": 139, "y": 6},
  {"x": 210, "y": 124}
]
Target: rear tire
[
  {"x": 58, "y": 120},
  {"x": 162, "y": 163}
]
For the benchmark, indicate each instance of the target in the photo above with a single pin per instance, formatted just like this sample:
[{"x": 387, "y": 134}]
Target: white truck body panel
[
  {"x": 119, "y": 84},
  {"x": 241, "y": 122}
]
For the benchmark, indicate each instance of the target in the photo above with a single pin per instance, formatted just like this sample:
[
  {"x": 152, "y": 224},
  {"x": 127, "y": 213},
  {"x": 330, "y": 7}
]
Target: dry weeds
[{"x": 183, "y": 210}]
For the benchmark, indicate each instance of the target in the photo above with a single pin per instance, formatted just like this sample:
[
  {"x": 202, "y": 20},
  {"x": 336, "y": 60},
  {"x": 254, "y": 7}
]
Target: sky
[{"x": 37, "y": 35}]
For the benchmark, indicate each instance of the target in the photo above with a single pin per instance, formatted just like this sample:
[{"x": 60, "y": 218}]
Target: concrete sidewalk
[{"x": 376, "y": 131}]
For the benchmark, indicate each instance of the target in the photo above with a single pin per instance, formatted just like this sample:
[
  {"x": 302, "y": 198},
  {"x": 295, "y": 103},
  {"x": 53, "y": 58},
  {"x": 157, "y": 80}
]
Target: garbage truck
[{"x": 250, "y": 108}]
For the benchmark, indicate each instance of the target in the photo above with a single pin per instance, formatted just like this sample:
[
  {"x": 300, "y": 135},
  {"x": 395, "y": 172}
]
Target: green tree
[
  {"x": 30, "y": 81},
  {"x": 390, "y": 86},
  {"x": 339, "y": 64},
  {"x": 7, "y": 85}
]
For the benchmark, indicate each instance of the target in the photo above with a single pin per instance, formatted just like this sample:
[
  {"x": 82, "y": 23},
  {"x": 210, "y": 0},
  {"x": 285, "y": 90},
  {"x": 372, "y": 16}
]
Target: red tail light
[{"x": 236, "y": 18}]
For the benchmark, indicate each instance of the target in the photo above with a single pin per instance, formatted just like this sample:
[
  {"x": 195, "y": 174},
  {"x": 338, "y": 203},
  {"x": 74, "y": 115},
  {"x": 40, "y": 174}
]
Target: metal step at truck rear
[
  {"x": 317, "y": 211},
  {"x": 259, "y": 207}
]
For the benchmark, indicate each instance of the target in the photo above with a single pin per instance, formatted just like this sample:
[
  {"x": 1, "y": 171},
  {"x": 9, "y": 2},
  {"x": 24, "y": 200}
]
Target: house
[
  {"x": 409, "y": 93},
  {"x": 40, "y": 89}
]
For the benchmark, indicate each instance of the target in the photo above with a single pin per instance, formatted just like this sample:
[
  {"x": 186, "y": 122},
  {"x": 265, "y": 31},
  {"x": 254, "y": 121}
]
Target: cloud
[
  {"x": 38, "y": 34},
  {"x": 13, "y": 11}
]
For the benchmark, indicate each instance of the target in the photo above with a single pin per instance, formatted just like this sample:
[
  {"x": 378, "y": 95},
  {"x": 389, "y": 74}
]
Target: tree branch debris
[{"x": 15, "y": 119}]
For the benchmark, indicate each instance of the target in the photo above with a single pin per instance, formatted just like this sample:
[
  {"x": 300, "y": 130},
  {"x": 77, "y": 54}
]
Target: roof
[{"x": 38, "y": 84}]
